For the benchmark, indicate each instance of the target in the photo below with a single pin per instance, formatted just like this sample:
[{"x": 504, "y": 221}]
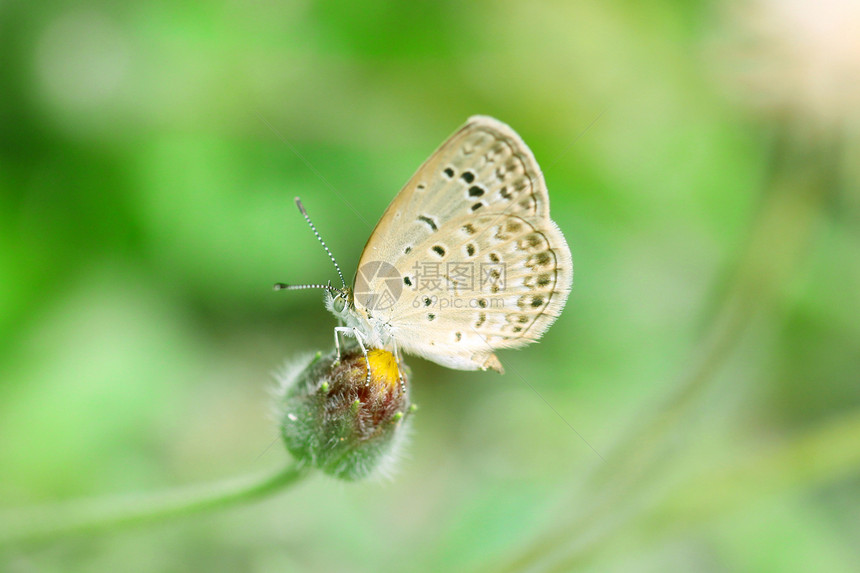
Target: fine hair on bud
[{"x": 334, "y": 419}]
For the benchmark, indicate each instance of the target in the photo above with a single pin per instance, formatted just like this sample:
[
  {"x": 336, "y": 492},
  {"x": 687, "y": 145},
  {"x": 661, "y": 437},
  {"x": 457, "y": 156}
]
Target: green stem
[
  {"x": 816, "y": 458},
  {"x": 607, "y": 497},
  {"x": 101, "y": 514}
]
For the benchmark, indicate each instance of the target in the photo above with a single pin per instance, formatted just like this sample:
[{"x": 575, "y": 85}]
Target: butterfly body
[
  {"x": 465, "y": 260},
  {"x": 373, "y": 332}
]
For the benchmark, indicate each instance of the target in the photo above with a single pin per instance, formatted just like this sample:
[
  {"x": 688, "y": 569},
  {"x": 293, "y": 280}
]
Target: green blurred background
[{"x": 149, "y": 154}]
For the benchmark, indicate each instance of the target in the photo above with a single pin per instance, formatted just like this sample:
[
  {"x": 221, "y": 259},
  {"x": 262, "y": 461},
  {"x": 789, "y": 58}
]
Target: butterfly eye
[{"x": 338, "y": 303}]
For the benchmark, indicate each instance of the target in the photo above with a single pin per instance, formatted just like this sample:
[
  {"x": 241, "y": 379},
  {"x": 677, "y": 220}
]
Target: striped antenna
[
  {"x": 284, "y": 286},
  {"x": 320, "y": 239}
]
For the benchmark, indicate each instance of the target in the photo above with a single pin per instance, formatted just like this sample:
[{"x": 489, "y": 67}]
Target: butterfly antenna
[
  {"x": 328, "y": 287},
  {"x": 320, "y": 239}
]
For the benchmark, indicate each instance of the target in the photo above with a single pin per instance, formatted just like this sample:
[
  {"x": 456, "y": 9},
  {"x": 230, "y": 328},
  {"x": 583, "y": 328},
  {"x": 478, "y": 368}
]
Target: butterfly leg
[
  {"x": 346, "y": 330},
  {"x": 399, "y": 374},
  {"x": 337, "y": 329},
  {"x": 358, "y": 338}
]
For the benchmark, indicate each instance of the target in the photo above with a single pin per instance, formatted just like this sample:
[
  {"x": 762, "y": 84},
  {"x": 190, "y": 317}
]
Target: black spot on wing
[{"x": 430, "y": 222}]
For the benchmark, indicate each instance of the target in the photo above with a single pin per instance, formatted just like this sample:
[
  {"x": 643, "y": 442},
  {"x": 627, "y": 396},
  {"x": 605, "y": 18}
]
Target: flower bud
[{"x": 333, "y": 419}]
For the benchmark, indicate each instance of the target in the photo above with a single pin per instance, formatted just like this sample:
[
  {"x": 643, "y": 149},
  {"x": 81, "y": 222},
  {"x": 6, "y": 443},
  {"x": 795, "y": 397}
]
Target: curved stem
[
  {"x": 824, "y": 455},
  {"x": 801, "y": 181},
  {"x": 100, "y": 514}
]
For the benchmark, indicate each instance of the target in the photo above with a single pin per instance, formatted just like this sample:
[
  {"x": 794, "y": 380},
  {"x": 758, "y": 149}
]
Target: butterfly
[{"x": 465, "y": 260}]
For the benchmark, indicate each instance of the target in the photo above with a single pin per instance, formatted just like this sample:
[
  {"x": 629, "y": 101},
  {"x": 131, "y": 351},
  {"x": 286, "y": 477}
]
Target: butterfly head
[
  {"x": 339, "y": 300},
  {"x": 341, "y": 303}
]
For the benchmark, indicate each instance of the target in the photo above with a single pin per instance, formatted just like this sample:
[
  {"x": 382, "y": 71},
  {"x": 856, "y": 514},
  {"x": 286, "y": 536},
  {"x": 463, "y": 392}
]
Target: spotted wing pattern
[{"x": 483, "y": 265}]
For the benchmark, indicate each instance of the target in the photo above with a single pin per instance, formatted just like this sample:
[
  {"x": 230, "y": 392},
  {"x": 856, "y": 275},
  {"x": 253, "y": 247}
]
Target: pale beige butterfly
[{"x": 465, "y": 261}]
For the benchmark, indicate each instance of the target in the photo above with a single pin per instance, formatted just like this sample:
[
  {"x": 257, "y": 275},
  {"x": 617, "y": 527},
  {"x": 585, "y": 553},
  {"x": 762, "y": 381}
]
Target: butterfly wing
[{"x": 483, "y": 266}]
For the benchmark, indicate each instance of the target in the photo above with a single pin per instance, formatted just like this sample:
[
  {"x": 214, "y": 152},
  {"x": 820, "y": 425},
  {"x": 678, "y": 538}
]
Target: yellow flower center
[{"x": 383, "y": 367}]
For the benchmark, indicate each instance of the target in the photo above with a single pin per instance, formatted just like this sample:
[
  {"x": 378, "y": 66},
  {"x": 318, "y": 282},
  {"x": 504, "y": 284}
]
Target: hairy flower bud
[{"x": 333, "y": 419}]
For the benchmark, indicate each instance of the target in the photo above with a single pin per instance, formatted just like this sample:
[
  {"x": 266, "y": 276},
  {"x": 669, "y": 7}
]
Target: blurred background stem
[
  {"x": 818, "y": 457},
  {"x": 803, "y": 174},
  {"x": 48, "y": 523}
]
